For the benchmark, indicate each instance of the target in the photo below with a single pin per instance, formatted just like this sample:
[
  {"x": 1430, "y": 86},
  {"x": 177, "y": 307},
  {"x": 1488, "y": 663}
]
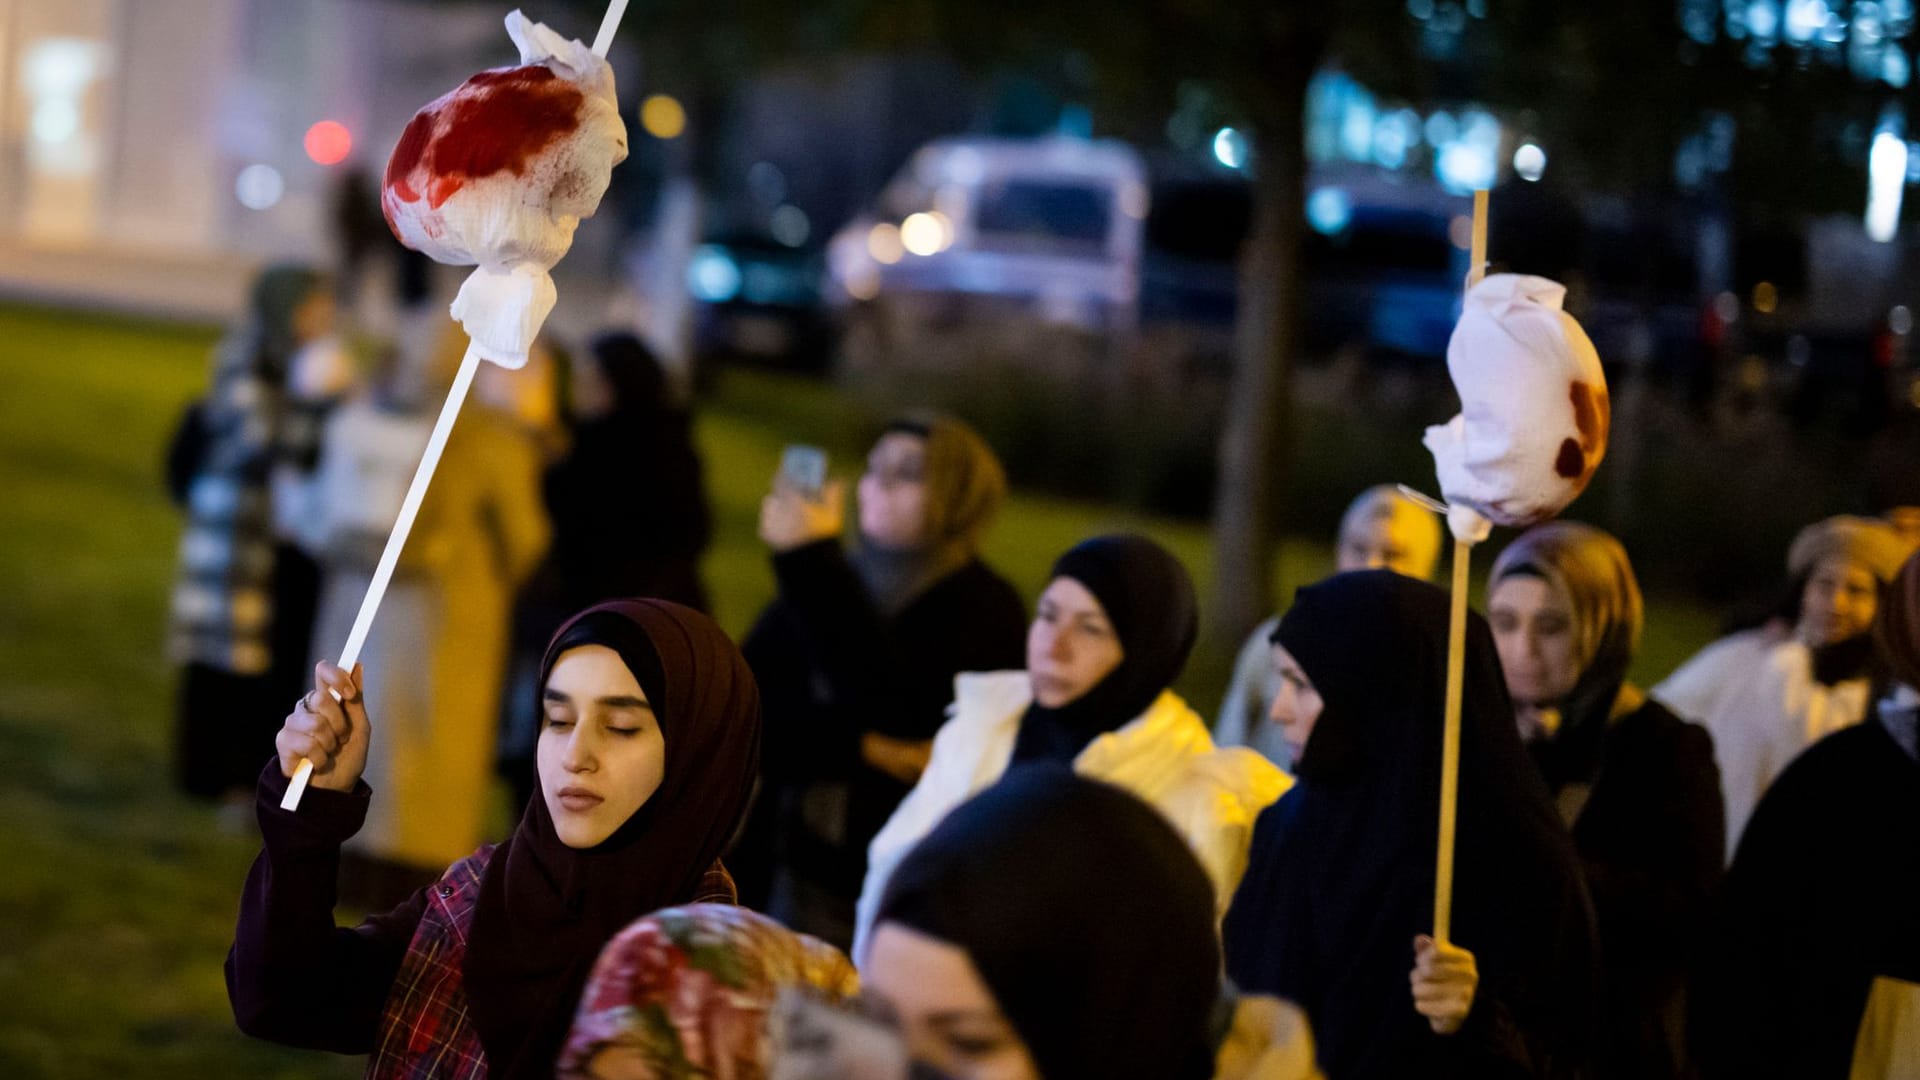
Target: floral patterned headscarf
[{"x": 685, "y": 992}]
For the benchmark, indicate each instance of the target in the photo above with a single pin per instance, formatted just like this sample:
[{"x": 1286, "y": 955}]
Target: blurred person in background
[
  {"x": 1053, "y": 927},
  {"x": 1905, "y": 521},
  {"x": 647, "y": 754},
  {"x": 628, "y": 503},
  {"x": 242, "y": 608},
  {"x": 439, "y": 646},
  {"x": 857, "y": 654},
  {"x": 1813, "y": 963},
  {"x": 1111, "y": 633},
  {"x": 1637, "y": 786},
  {"x": 628, "y": 436},
  {"x": 1381, "y": 530},
  {"x": 1768, "y": 693},
  {"x": 1336, "y": 912}
]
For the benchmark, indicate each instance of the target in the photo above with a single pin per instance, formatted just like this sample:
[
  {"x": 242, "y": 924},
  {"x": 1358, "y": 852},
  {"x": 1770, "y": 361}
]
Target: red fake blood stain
[
  {"x": 1592, "y": 415},
  {"x": 497, "y": 121}
]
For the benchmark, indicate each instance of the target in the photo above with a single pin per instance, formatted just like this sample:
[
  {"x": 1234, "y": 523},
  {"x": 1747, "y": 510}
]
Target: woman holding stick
[
  {"x": 647, "y": 751},
  {"x": 1335, "y": 910}
]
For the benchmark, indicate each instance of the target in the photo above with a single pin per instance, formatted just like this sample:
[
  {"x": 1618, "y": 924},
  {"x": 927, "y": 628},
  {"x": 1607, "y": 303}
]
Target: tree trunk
[{"x": 1255, "y": 443}]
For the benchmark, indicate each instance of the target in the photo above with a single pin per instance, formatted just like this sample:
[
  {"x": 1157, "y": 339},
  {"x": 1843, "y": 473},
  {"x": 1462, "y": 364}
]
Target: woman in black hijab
[
  {"x": 1052, "y": 927},
  {"x": 1340, "y": 883},
  {"x": 647, "y": 753},
  {"x": 1148, "y": 600},
  {"x": 1111, "y": 633}
]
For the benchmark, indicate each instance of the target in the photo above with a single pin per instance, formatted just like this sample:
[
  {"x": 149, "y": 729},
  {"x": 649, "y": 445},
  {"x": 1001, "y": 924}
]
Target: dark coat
[
  {"x": 1820, "y": 901},
  {"x": 1341, "y": 875},
  {"x": 391, "y": 986},
  {"x": 1649, "y": 826},
  {"x": 831, "y": 668}
]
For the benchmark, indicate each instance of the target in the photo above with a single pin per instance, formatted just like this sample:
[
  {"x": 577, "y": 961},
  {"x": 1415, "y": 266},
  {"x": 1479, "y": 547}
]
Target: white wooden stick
[
  {"x": 397, "y": 539},
  {"x": 604, "y": 39}
]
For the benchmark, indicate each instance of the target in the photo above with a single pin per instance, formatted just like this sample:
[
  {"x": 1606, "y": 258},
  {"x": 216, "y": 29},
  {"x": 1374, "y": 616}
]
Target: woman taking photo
[
  {"x": 646, "y": 757},
  {"x": 857, "y": 653}
]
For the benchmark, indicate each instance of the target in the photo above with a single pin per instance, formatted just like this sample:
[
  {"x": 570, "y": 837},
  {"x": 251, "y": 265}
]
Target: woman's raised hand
[
  {"x": 329, "y": 728},
  {"x": 1444, "y": 978},
  {"x": 790, "y": 518}
]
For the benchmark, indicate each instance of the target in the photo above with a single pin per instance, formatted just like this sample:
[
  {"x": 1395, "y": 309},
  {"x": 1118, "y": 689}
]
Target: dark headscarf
[
  {"x": 1085, "y": 914},
  {"x": 275, "y": 298},
  {"x": 546, "y": 909},
  {"x": 1149, "y": 599},
  {"x": 1342, "y": 869},
  {"x": 633, "y": 372},
  {"x": 966, "y": 486}
]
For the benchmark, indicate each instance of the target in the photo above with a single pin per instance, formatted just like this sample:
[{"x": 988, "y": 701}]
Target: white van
[{"x": 1052, "y": 225}]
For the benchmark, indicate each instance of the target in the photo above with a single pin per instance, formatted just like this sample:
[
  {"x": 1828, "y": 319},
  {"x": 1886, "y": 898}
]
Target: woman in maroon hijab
[{"x": 647, "y": 750}]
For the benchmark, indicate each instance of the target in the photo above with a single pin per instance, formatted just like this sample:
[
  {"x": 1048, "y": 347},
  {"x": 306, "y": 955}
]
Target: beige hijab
[{"x": 966, "y": 487}]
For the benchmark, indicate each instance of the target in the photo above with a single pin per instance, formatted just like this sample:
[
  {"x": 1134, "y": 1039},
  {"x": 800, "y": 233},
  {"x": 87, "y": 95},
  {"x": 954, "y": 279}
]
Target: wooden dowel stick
[
  {"x": 1478, "y": 251},
  {"x": 1450, "y": 746}
]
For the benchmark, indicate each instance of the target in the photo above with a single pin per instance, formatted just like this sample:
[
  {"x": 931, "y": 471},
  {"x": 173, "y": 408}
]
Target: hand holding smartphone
[{"x": 803, "y": 469}]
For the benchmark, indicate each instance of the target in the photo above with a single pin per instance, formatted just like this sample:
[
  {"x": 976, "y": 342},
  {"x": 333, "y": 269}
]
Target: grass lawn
[{"x": 117, "y": 898}]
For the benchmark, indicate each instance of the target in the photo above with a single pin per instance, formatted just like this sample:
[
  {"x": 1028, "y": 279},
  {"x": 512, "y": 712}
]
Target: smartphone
[{"x": 804, "y": 469}]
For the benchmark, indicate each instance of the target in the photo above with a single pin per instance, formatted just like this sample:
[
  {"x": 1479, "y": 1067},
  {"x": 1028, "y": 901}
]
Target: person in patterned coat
[
  {"x": 648, "y": 747},
  {"x": 242, "y": 607}
]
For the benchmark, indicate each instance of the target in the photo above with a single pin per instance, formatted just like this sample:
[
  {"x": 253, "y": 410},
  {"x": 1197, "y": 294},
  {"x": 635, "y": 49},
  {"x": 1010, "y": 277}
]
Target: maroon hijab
[{"x": 546, "y": 909}]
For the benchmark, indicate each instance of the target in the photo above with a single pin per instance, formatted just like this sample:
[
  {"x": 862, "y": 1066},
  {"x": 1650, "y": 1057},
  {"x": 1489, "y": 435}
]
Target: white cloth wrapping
[
  {"x": 1534, "y": 412},
  {"x": 499, "y": 174}
]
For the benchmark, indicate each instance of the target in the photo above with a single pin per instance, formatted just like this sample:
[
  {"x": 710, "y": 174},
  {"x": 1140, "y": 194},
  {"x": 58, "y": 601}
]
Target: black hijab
[
  {"x": 1149, "y": 599},
  {"x": 545, "y": 909},
  {"x": 1085, "y": 914},
  {"x": 1341, "y": 873}
]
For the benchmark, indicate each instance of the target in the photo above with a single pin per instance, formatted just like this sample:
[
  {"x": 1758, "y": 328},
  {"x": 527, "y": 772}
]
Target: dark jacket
[
  {"x": 1821, "y": 900},
  {"x": 630, "y": 513},
  {"x": 1649, "y": 826},
  {"x": 832, "y": 668},
  {"x": 295, "y": 978}
]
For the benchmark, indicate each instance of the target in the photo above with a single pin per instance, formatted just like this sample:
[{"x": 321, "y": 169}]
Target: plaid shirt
[{"x": 426, "y": 1032}]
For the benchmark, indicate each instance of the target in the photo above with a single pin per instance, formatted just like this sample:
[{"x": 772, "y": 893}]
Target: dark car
[
  {"x": 758, "y": 302},
  {"x": 1382, "y": 273}
]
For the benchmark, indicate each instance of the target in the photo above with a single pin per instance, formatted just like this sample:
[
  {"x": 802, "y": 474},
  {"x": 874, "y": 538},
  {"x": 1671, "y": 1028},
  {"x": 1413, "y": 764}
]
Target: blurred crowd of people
[{"x": 912, "y": 827}]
